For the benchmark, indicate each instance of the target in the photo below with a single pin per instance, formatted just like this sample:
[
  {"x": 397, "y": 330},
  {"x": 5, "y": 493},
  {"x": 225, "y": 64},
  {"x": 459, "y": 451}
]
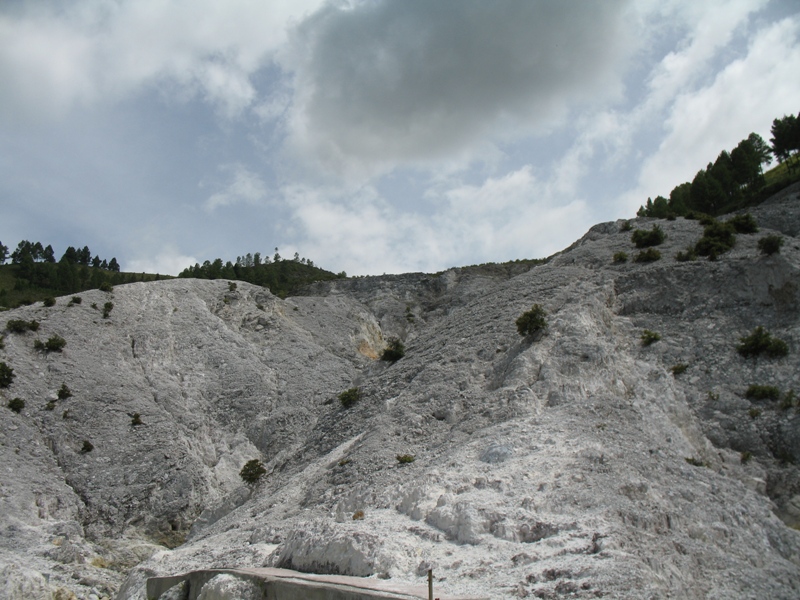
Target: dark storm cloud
[{"x": 404, "y": 80}]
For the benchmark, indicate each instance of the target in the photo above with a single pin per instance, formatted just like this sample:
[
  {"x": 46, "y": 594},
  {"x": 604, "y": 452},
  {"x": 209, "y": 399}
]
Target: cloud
[
  {"x": 56, "y": 56},
  {"x": 749, "y": 92},
  {"x": 502, "y": 218},
  {"x": 168, "y": 261},
  {"x": 399, "y": 82},
  {"x": 245, "y": 186}
]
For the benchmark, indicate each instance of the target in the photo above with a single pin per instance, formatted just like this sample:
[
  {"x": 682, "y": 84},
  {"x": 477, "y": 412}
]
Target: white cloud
[
  {"x": 245, "y": 187},
  {"x": 385, "y": 83},
  {"x": 54, "y": 57},
  {"x": 749, "y": 92},
  {"x": 168, "y": 261},
  {"x": 502, "y": 218}
]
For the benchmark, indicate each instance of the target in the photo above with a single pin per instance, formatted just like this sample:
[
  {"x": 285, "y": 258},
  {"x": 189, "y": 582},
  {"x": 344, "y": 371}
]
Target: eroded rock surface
[{"x": 542, "y": 466}]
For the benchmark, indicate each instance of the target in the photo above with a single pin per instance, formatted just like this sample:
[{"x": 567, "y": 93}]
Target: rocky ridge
[{"x": 542, "y": 467}]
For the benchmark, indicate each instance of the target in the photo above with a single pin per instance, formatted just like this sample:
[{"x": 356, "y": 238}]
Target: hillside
[{"x": 571, "y": 463}]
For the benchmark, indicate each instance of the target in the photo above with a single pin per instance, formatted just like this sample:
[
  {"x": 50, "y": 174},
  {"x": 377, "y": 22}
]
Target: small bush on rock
[
  {"x": 626, "y": 226},
  {"x": 64, "y": 392},
  {"x": 358, "y": 515},
  {"x": 717, "y": 239},
  {"x": 55, "y": 343},
  {"x": 620, "y": 257},
  {"x": 87, "y": 447},
  {"x": 350, "y": 397},
  {"x": 106, "y": 287},
  {"x": 17, "y": 404},
  {"x": 6, "y": 375},
  {"x": 754, "y": 412},
  {"x": 763, "y": 392},
  {"x": 679, "y": 368},
  {"x": 395, "y": 350},
  {"x": 49, "y": 301},
  {"x": 745, "y": 457},
  {"x": 770, "y": 244},
  {"x": 252, "y": 471},
  {"x": 649, "y": 255},
  {"x": 107, "y": 308},
  {"x": 645, "y": 239},
  {"x": 686, "y": 255},
  {"x": 136, "y": 419},
  {"x": 761, "y": 342},
  {"x": 21, "y": 326},
  {"x": 75, "y": 300},
  {"x": 649, "y": 337},
  {"x": 405, "y": 459},
  {"x": 744, "y": 223},
  {"x": 532, "y": 321}
]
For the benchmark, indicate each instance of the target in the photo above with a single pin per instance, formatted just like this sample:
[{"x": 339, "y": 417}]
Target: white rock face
[{"x": 542, "y": 467}]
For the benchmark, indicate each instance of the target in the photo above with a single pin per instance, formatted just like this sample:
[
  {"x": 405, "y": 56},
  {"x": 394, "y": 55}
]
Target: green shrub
[
  {"x": 717, "y": 239},
  {"x": 679, "y": 369},
  {"x": 770, "y": 244},
  {"x": 136, "y": 419},
  {"x": 55, "y": 343},
  {"x": 788, "y": 400},
  {"x": 532, "y": 321},
  {"x": 49, "y": 301},
  {"x": 754, "y": 412},
  {"x": 231, "y": 286},
  {"x": 745, "y": 457},
  {"x": 64, "y": 392},
  {"x": 620, "y": 257},
  {"x": 51, "y": 404},
  {"x": 761, "y": 342},
  {"x": 87, "y": 447},
  {"x": 75, "y": 300},
  {"x": 405, "y": 459},
  {"x": 17, "y": 404},
  {"x": 695, "y": 462},
  {"x": 252, "y": 471},
  {"x": 107, "y": 308},
  {"x": 395, "y": 350},
  {"x": 763, "y": 392},
  {"x": 21, "y": 326},
  {"x": 350, "y": 397},
  {"x": 649, "y": 337},
  {"x": 744, "y": 223},
  {"x": 686, "y": 255},
  {"x": 6, "y": 375},
  {"x": 649, "y": 255},
  {"x": 106, "y": 287},
  {"x": 626, "y": 226},
  {"x": 645, "y": 239},
  {"x": 94, "y": 305}
]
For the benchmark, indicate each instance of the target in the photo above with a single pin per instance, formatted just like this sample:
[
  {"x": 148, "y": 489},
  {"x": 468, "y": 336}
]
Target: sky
[{"x": 369, "y": 136}]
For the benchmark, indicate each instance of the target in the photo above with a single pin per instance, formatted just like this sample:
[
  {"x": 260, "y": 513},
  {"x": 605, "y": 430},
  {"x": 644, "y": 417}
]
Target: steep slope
[{"x": 546, "y": 466}]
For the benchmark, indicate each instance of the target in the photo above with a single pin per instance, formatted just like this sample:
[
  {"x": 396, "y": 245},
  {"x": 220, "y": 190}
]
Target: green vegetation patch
[
  {"x": 252, "y": 471},
  {"x": 394, "y": 351},
  {"x": 646, "y": 238},
  {"x": 649, "y": 337},
  {"x": 760, "y": 341},
  {"x": 648, "y": 256},
  {"x": 770, "y": 244},
  {"x": 763, "y": 392},
  {"x": 532, "y": 321},
  {"x": 349, "y": 397}
]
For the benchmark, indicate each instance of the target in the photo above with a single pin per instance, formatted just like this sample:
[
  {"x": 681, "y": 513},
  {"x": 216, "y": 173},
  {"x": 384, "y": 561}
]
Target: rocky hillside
[{"x": 576, "y": 462}]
